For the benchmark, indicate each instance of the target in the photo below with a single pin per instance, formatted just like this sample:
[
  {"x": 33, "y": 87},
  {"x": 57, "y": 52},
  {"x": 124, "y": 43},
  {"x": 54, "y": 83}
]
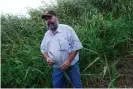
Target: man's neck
[{"x": 53, "y": 31}]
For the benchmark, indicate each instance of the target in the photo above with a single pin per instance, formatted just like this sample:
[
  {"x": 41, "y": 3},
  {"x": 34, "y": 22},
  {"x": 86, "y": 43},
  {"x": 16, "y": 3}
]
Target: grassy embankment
[{"x": 105, "y": 29}]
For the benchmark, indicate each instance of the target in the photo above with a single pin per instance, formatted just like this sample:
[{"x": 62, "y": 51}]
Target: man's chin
[{"x": 52, "y": 27}]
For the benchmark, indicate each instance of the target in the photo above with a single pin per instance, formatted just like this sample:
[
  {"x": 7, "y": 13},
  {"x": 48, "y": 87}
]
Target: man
[{"x": 60, "y": 47}]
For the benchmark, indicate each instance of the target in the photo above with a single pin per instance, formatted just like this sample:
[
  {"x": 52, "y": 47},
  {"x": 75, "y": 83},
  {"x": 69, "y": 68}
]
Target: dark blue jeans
[{"x": 59, "y": 79}]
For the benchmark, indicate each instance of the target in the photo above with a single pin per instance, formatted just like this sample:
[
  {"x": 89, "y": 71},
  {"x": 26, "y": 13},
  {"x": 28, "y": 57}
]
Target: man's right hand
[{"x": 50, "y": 61}]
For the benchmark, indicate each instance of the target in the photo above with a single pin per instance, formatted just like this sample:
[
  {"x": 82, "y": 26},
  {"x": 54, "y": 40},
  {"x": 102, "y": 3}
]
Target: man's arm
[
  {"x": 75, "y": 47},
  {"x": 72, "y": 55},
  {"x": 44, "y": 51},
  {"x": 48, "y": 59},
  {"x": 45, "y": 55},
  {"x": 68, "y": 61}
]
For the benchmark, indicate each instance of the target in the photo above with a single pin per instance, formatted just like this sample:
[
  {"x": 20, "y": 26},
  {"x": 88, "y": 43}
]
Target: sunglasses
[{"x": 47, "y": 17}]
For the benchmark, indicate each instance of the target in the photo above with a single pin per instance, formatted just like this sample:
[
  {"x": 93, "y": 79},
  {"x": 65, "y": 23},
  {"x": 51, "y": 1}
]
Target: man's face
[{"x": 50, "y": 20}]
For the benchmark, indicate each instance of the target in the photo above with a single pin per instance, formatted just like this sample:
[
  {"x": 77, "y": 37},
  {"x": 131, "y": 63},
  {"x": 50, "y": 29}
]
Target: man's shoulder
[
  {"x": 67, "y": 27},
  {"x": 47, "y": 32},
  {"x": 64, "y": 25}
]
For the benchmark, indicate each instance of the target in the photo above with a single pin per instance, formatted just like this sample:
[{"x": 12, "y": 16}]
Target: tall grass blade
[{"x": 91, "y": 64}]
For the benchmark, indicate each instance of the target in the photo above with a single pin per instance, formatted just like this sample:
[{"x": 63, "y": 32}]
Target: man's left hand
[{"x": 66, "y": 64}]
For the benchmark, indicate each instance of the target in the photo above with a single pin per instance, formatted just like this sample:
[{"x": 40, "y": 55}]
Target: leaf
[
  {"x": 26, "y": 73},
  {"x": 105, "y": 70},
  {"x": 91, "y": 63}
]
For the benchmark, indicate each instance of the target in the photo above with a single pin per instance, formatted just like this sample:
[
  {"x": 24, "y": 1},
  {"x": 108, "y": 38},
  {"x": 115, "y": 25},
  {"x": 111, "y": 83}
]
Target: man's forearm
[
  {"x": 72, "y": 55},
  {"x": 45, "y": 55}
]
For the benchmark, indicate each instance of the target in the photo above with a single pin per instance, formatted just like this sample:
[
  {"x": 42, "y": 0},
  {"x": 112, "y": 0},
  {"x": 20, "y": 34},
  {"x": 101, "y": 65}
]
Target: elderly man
[{"x": 60, "y": 47}]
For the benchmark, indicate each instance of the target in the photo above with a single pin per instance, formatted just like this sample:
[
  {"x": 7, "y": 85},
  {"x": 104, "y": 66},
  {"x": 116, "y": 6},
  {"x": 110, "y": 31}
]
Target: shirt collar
[{"x": 58, "y": 30}]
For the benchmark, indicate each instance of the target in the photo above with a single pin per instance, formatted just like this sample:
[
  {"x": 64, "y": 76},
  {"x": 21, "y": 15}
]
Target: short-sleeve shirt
[{"x": 60, "y": 44}]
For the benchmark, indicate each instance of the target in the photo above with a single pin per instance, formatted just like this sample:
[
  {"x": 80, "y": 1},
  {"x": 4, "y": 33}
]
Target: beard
[{"x": 52, "y": 26}]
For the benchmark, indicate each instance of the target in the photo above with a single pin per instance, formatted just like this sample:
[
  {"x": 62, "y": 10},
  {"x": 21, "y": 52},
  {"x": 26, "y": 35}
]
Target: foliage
[{"x": 103, "y": 26}]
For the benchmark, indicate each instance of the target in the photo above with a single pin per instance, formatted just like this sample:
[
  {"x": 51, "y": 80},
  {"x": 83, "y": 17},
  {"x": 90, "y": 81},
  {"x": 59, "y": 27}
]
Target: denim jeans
[{"x": 59, "y": 79}]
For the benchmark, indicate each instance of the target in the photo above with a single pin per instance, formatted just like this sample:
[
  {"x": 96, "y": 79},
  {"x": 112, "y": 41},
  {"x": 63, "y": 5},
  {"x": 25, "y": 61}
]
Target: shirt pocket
[{"x": 64, "y": 44}]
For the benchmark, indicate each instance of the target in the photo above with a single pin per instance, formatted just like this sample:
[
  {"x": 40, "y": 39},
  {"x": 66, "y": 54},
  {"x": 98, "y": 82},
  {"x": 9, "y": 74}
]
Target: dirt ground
[
  {"x": 125, "y": 68},
  {"x": 125, "y": 80}
]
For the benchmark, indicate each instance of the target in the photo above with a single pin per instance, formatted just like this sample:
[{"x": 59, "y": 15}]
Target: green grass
[{"x": 104, "y": 28}]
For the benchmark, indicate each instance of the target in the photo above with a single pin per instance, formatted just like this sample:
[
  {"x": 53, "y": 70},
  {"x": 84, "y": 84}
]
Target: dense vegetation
[{"x": 105, "y": 28}]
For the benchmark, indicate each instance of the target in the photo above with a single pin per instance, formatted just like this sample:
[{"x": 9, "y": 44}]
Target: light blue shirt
[{"x": 60, "y": 44}]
